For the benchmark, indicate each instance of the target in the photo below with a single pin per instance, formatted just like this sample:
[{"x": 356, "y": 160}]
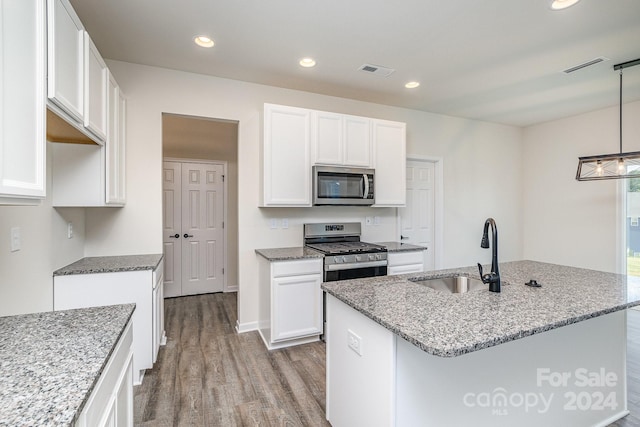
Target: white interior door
[
  {"x": 193, "y": 236},
  {"x": 172, "y": 228},
  {"x": 417, "y": 219},
  {"x": 202, "y": 228}
]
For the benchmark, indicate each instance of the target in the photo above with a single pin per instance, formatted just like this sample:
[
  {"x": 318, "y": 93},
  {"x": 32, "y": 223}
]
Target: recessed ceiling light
[
  {"x": 203, "y": 41},
  {"x": 562, "y": 4},
  {"x": 412, "y": 85},
  {"x": 307, "y": 62}
]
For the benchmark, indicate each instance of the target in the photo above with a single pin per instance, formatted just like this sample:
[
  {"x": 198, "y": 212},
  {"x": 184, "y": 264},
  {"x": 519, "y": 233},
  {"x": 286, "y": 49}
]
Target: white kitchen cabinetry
[
  {"x": 389, "y": 140},
  {"x": 93, "y": 290},
  {"x": 91, "y": 175},
  {"x": 290, "y": 302},
  {"x": 22, "y": 104},
  {"x": 77, "y": 74},
  {"x": 405, "y": 262},
  {"x": 285, "y": 158},
  {"x": 341, "y": 140},
  {"x": 158, "y": 311},
  {"x": 66, "y": 59},
  {"x": 111, "y": 401},
  {"x": 96, "y": 76},
  {"x": 115, "y": 145}
]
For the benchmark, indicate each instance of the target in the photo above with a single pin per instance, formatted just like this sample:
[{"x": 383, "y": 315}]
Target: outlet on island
[{"x": 354, "y": 342}]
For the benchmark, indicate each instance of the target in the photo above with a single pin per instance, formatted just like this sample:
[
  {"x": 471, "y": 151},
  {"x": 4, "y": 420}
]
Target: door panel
[
  {"x": 203, "y": 208},
  {"x": 172, "y": 225},
  {"x": 417, "y": 218}
]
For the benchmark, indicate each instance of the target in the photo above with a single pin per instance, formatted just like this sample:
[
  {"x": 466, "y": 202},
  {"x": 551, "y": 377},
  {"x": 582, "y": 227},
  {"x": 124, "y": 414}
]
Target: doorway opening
[{"x": 201, "y": 154}]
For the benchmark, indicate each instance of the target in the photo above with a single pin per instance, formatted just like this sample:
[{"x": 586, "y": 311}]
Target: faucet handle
[{"x": 480, "y": 270}]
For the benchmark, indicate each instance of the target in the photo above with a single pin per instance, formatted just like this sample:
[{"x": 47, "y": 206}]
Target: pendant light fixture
[{"x": 611, "y": 166}]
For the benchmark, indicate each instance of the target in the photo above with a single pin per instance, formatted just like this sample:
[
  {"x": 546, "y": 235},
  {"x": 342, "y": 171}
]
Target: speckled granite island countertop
[
  {"x": 288, "y": 254},
  {"x": 50, "y": 362},
  {"x": 451, "y": 325},
  {"x": 401, "y": 247},
  {"x": 111, "y": 264}
]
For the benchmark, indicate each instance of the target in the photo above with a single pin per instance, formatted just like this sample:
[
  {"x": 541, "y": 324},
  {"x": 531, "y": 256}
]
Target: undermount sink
[{"x": 453, "y": 284}]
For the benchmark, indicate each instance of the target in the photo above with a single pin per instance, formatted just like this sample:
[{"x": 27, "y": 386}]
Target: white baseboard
[
  {"x": 231, "y": 288},
  {"x": 246, "y": 327}
]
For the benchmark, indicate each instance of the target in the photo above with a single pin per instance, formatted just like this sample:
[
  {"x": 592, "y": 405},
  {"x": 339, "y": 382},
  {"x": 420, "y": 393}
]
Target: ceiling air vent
[
  {"x": 585, "y": 64},
  {"x": 376, "y": 69}
]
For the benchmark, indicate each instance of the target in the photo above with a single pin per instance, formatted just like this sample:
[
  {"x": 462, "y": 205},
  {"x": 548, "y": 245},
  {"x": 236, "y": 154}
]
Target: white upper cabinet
[
  {"x": 66, "y": 59},
  {"x": 286, "y": 173},
  {"x": 96, "y": 76},
  {"x": 77, "y": 75},
  {"x": 294, "y": 139},
  {"x": 389, "y": 140},
  {"x": 22, "y": 104},
  {"x": 341, "y": 140},
  {"x": 115, "y": 145}
]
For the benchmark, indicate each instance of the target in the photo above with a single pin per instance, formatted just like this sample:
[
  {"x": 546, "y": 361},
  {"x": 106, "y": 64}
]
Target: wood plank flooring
[{"x": 207, "y": 375}]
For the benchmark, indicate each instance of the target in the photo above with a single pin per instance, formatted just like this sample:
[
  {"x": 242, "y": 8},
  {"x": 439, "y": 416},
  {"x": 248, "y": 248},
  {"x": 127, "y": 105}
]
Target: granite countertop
[
  {"x": 51, "y": 361},
  {"x": 451, "y": 325},
  {"x": 289, "y": 254},
  {"x": 401, "y": 247},
  {"x": 111, "y": 264}
]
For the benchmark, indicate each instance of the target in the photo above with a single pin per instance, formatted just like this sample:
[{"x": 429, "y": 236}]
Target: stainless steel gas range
[{"x": 345, "y": 256}]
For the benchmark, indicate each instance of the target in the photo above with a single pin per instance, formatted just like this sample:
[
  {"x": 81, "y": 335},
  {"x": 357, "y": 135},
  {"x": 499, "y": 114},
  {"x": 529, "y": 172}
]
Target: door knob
[
  {"x": 175, "y": 236},
  {"x": 186, "y": 236},
  {"x": 403, "y": 237}
]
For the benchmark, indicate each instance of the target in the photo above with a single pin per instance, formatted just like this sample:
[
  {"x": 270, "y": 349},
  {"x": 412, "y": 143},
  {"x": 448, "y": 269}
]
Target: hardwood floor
[{"x": 207, "y": 375}]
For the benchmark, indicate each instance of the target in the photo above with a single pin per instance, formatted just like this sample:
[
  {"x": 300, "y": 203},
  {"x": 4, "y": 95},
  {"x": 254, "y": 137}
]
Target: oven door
[{"x": 355, "y": 272}]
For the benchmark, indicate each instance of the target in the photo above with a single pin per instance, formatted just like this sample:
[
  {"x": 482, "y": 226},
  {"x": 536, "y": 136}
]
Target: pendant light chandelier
[{"x": 611, "y": 166}]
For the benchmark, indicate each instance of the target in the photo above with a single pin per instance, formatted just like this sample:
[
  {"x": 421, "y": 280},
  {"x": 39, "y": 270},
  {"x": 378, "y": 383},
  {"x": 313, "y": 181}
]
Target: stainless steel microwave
[{"x": 334, "y": 185}]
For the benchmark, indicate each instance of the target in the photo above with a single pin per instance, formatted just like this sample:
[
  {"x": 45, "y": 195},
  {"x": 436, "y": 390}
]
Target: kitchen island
[
  {"x": 410, "y": 355},
  {"x": 66, "y": 368}
]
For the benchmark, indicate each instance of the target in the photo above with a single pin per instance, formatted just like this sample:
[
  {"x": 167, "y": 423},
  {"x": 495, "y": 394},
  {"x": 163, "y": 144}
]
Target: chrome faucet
[{"x": 493, "y": 278}]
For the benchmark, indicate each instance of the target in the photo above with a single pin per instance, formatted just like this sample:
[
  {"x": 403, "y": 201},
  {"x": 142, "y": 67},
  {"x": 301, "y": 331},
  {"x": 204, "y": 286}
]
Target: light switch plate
[
  {"x": 376, "y": 220},
  {"x": 368, "y": 220},
  {"x": 273, "y": 223},
  {"x": 69, "y": 230},
  {"x": 16, "y": 241}
]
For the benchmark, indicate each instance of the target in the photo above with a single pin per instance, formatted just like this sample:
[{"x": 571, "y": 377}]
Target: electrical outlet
[
  {"x": 376, "y": 220},
  {"x": 16, "y": 241},
  {"x": 368, "y": 220},
  {"x": 274, "y": 223},
  {"x": 354, "y": 342},
  {"x": 285, "y": 222},
  {"x": 69, "y": 230}
]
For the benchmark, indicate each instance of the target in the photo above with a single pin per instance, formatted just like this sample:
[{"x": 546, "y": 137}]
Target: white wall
[
  {"x": 566, "y": 221},
  {"x": 26, "y": 280},
  {"x": 481, "y": 171}
]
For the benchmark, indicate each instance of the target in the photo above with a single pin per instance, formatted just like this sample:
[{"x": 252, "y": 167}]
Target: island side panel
[
  {"x": 360, "y": 387},
  {"x": 573, "y": 375}
]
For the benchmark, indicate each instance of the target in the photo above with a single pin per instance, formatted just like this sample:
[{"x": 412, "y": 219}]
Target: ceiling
[{"x": 499, "y": 61}]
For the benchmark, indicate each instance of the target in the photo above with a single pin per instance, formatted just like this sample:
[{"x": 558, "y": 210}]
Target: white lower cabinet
[
  {"x": 405, "y": 262},
  {"x": 140, "y": 287},
  {"x": 111, "y": 401},
  {"x": 290, "y": 302}
]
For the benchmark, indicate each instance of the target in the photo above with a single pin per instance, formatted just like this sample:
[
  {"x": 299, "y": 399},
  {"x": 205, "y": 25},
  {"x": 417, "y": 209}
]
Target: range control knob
[
  {"x": 372, "y": 257},
  {"x": 337, "y": 259},
  {"x": 359, "y": 258}
]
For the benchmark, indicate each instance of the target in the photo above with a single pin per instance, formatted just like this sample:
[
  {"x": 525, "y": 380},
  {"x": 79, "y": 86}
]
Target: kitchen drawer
[
  {"x": 403, "y": 269},
  {"x": 405, "y": 258},
  {"x": 297, "y": 267}
]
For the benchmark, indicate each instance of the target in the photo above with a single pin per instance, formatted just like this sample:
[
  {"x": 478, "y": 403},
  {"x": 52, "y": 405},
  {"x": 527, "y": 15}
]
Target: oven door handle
[{"x": 355, "y": 266}]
